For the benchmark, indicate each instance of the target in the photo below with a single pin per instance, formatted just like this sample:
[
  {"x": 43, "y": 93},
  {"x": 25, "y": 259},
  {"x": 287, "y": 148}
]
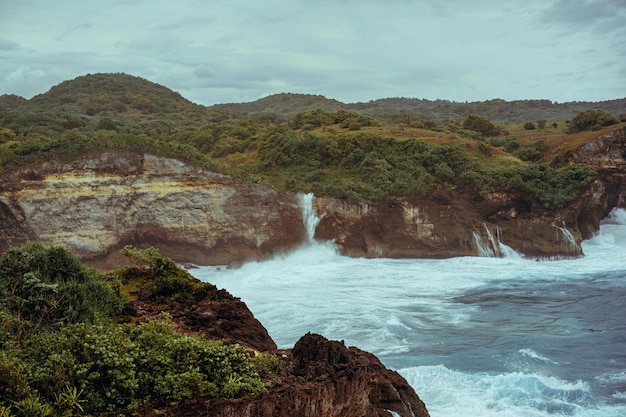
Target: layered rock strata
[{"x": 97, "y": 205}]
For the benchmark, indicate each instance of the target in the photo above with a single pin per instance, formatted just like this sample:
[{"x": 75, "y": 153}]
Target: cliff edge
[
  {"x": 317, "y": 378},
  {"x": 97, "y": 205}
]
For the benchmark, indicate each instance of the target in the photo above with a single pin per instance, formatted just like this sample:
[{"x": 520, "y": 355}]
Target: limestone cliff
[{"x": 97, "y": 205}]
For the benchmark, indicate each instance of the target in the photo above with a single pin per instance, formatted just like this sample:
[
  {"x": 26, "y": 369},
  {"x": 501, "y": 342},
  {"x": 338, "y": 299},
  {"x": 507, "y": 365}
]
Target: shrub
[
  {"x": 554, "y": 188},
  {"x": 593, "y": 119},
  {"x": 46, "y": 287},
  {"x": 480, "y": 124},
  {"x": 163, "y": 277},
  {"x": 529, "y": 126},
  {"x": 118, "y": 367},
  {"x": 531, "y": 151}
]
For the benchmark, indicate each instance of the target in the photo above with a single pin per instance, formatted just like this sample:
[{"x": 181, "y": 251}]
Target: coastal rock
[
  {"x": 97, "y": 205},
  {"x": 607, "y": 155},
  {"x": 322, "y": 378},
  {"x": 218, "y": 315},
  {"x": 317, "y": 378},
  {"x": 448, "y": 224}
]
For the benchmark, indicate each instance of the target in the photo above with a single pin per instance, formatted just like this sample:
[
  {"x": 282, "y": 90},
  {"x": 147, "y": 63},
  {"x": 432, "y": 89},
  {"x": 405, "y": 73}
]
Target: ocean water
[{"x": 475, "y": 336}]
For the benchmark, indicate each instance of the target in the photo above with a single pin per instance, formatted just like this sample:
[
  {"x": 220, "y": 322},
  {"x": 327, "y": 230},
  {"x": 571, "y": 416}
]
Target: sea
[{"x": 474, "y": 336}]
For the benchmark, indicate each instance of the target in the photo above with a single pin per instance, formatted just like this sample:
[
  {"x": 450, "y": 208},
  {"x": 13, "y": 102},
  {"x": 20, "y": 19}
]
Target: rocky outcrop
[
  {"x": 322, "y": 378},
  {"x": 448, "y": 224},
  {"x": 607, "y": 155},
  {"x": 317, "y": 378},
  {"x": 218, "y": 315},
  {"x": 451, "y": 223},
  {"x": 97, "y": 205}
]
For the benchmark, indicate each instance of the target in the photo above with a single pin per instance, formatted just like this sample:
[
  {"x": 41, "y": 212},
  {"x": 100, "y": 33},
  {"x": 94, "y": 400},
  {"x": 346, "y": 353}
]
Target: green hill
[
  {"x": 300, "y": 142},
  {"x": 114, "y": 95}
]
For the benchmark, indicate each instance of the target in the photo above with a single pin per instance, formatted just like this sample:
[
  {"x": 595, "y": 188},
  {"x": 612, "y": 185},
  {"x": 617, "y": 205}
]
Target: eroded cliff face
[
  {"x": 97, "y": 205},
  {"x": 451, "y": 223},
  {"x": 317, "y": 378},
  {"x": 607, "y": 155}
]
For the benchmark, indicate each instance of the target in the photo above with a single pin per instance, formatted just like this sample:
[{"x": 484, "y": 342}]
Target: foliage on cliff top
[
  {"x": 330, "y": 149},
  {"x": 46, "y": 288},
  {"x": 61, "y": 353},
  {"x": 160, "y": 277}
]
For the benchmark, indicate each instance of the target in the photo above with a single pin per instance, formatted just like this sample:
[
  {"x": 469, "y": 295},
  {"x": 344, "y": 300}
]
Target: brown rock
[
  {"x": 97, "y": 205},
  {"x": 322, "y": 378}
]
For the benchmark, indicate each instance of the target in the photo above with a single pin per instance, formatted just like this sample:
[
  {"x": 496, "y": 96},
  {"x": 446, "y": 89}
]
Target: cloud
[
  {"x": 231, "y": 50},
  {"x": 583, "y": 13}
]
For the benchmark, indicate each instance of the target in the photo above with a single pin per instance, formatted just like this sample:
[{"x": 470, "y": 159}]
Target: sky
[{"x": 224, "y": 51}]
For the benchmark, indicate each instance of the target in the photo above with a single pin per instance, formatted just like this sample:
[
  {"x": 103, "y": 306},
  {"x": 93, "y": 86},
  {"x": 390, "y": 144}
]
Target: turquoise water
[{"x": 474, "y": 336}]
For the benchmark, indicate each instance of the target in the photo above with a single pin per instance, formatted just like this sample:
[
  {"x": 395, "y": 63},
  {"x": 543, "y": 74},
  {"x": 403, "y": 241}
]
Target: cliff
[
  {"x": 97, "y": 205},
  {"x": 317, "y": 378},
  {"x": 450, "y": 223}
]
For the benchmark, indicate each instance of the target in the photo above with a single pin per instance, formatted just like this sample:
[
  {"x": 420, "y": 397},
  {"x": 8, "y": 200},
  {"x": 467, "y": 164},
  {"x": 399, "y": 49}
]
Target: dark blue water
[{"x": 473, "y": 336}]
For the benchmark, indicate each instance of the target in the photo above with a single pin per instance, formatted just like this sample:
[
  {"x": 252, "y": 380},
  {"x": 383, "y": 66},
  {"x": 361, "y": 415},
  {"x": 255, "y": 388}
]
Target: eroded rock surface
[
  {"x": 97, "y": 205},
  {"x": 322, "y": 378}
]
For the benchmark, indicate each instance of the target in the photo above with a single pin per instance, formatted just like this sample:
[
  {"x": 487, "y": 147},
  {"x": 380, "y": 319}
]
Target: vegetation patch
[
  {"x": 364, "y": 151},
  {"x": 62, "y": 352}
]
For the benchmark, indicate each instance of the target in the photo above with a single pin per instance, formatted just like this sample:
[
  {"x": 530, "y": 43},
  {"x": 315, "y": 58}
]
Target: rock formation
[
  {"x": 97, "y": 205},
  {"x": 325, "y": 378},
  {"x": 317, "y": 378}
]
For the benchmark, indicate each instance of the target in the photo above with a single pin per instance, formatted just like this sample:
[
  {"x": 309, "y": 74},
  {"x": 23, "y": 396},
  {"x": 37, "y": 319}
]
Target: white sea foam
[
  {"x": 407, "y": 312},
  {"x": 534, "y": 355},
  {"x": 449, "y": 393}
]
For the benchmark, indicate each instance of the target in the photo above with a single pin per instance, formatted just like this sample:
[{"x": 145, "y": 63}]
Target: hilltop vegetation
[{"x": 365, "y": 151}]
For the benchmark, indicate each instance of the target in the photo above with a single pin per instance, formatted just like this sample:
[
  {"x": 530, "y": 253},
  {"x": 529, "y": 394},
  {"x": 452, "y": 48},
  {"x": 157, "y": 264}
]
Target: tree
[
  {"x": 593, "y": 119},
  {"x": 480, "y": 124}
]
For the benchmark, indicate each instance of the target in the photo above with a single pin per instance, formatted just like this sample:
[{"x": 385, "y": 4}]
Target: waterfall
[
  {"x": 310, "y": 219},
  {"x": 572, "y": 245},
  {"x": 493, "y": 248},
  {"x": 484, "y": 250}
]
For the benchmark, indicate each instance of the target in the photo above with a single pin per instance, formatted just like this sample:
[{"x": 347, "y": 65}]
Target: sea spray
[
  {"x": 493, "y": 247},
  {"x": 309, "y": 216},
  {"x": 473, "y": 336}
]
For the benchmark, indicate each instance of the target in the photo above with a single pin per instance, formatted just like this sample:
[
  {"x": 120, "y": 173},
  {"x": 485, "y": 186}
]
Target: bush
[
  {"x": 70, "y": 366},
  {"x": 119, "y": 367},
  {"x": 163, "y": 278},
  {"x": 480, "y": 124},
  {"x": 594, "y": 119},
  {"x": 43, "y": 288},
  {"x": 554, "y": 188}
]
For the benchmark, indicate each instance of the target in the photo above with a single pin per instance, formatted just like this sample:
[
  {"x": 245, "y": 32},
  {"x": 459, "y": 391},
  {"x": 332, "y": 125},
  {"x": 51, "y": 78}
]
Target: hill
[
  {"x": 399, "y": 108},
  {"x": 308, "y": 143},
  {"x": 123, "y": 95}
]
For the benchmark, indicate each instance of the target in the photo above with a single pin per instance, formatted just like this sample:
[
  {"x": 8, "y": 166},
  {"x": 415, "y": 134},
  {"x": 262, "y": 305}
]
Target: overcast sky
[{"x": 220, "y": 51}]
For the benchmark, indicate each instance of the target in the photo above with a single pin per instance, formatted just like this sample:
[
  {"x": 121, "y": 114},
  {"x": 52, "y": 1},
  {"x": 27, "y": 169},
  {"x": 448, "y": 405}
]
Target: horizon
[{"x": 317, "y": 95}]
